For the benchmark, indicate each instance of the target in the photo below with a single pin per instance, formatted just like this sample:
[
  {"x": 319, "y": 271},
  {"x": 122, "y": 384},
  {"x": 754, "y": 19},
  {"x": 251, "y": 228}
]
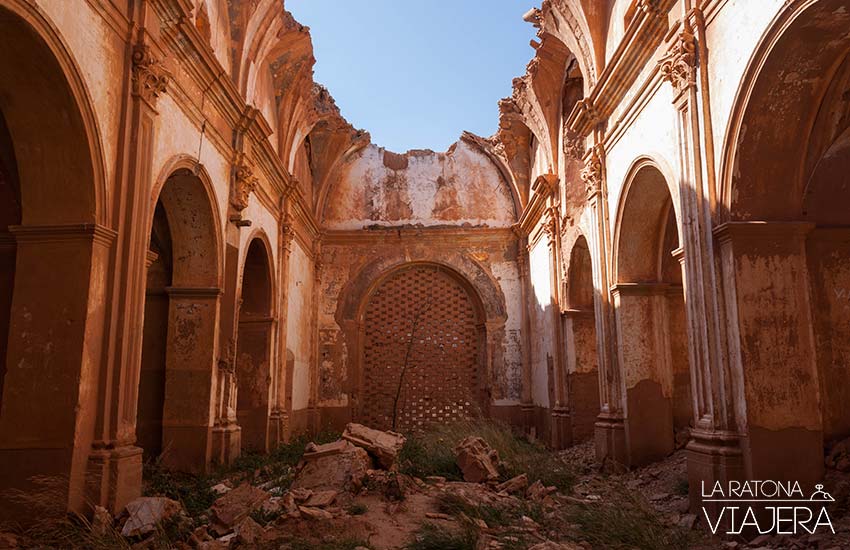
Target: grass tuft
[
  {"x": 431, "y": 453},
  {"x": 431, "y": 537},
  {"x": 626, "y": 520}
]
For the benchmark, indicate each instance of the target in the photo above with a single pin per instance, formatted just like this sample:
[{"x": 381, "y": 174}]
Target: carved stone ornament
[
  {"x": 244, "y": 183},
  {"x": 591, "y": 174},
  {"x": 679, "y": 65},
  {"x": 574, "y": 146},
  {"x": 150, "y": 78}
]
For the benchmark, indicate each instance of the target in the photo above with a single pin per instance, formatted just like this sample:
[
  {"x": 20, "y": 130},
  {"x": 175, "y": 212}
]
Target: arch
[
  {"x": 202, "y": 201},
  {"x": 259, "y": 242},
  {"x": 784, "y": 191},
  {"x": 254, "y": 344},
  {"x": 422, "y": 349},
  {"x": 775, "y": 108},
  {"x": 649, "y": 306},
  {"x": 583, "y": 381},
  {"x": 54, "y": 255},
  {"x": 46, "y": 79},
  {"x": 485, "y": 287},
  {"x": 636, "y": 214},
  {"x": 179, "y": 347}
]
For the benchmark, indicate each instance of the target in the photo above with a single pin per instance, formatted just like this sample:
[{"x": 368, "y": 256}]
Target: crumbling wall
[{"x": 376, "y": 187}]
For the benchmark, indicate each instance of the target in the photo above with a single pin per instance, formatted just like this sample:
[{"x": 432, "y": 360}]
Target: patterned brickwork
[{"x": 425, "y": 315}]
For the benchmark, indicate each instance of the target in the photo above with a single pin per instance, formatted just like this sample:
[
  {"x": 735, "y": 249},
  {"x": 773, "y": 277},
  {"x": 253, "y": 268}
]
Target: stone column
[
  {"x": 279, "y": 422},
  {"x": 609, "y": 430},
  {"x": 115, "y": 473},
  {"x": 714, "y": 452},
  {"x": 560, "y": 435},
  {"x": 772, "y": 349},
  {"x": 526, "y": 403}
]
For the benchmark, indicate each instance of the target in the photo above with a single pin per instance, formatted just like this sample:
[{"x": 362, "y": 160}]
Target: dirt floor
[{"x": 342, "y": 499}]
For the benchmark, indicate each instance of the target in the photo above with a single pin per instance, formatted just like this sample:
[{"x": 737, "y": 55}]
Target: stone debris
[
  {"x": 383, "y": 446},
  {"x": 321, "y": 499},
  {"x": 146, "y": 513},
  {"x": 339, "y": 466},
  {"x": 516, "y": 484},
  {"x": 249, "y": 532},
  {"x": 221, "y": 489},
  {"x": 308, "y": 512},
  {"x": 537, "y": 491},
  {"x": 236, "y": 505},
  {"x": 839, "y": 456},
  {"x": 477, "y": 460}
]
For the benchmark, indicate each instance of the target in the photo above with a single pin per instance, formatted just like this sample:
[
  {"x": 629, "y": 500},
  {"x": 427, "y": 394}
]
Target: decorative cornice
[
  {"x": 678, "y": 66},
  {"x": 150, "y": 79}
]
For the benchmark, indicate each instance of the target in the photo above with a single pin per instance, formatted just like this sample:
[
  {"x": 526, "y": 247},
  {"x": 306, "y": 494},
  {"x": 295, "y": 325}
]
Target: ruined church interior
[{"x": 645, "y": 270}]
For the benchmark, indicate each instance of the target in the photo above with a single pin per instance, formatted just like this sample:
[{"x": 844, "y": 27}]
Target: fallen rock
[
  {"x": 249, "y": 532},
  {"x": 438, "y": 515},
  {"x": 301, "y": 495},
  {"x": 538, "y": 491},
  {"x": 342, "y": 470},
  {"x": 235, "y": 506},
  {"x": 839, "y": 456},
  {"x": 199, "y": 536},
  {"x": 145, "y": 513},
  {"x": 477, "y": 460},
  {"x": 321, "y": 499},
  {"x": 315, "y": 513},
  {"x": 687, "y": 521},
  {"x": 384, "y": 446},
  {"x": 220, "y": 489},
  {"x": 516, "y": 484}
]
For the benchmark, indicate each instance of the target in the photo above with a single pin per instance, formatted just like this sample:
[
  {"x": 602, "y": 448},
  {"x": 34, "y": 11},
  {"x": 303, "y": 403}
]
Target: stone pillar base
[
  {"x": 610, "y": 435},
  {"x": 527, "y": 419},
  {"x": 114, "y": 477},
  {"x": 712, "y": 457},
  {"x": 226, "y": 443},
  {"x": 561, "y": 429},
  {"x": 277, "y": 429}
]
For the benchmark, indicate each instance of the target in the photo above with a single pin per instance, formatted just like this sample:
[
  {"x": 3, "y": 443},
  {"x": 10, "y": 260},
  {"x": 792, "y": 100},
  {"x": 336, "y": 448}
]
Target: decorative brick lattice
[{"x": 441, "y": 381}]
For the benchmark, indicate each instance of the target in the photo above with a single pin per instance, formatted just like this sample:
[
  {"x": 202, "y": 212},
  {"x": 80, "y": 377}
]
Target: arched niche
[
  {"x": 652, "y": 340},
  {"x": 181, "y": 318},
  {"x": 253, "y": 347}
]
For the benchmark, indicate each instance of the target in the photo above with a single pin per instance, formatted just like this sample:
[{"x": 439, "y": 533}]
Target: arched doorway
[
  {"x": 650, "y": 315},
  {"x": 53, "y": 260},
  {"x": 422, "y": 347},
  {"x": 181, "y": 310},
  {"x": 784, "y": 246},
  {"x": 580, "y": 338},
  {"x": 253, "y": 348}
]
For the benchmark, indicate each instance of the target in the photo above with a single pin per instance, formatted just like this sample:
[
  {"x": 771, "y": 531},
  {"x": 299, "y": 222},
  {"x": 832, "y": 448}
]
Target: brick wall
[{"x": 423, "y": 318}]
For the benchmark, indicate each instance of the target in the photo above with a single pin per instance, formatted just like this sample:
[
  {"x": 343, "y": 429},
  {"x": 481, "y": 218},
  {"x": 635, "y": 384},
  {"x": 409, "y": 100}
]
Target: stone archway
[
  {"x": 581, "y": 348},
  {"x": 181, "y": 314},
  {"x": 652, "y": 340},
  {"x": 423, "y": 344},
  {"x": 784, "y": 246},
  {"x": 253, "y": 348},
  {"x": 54, "y": 258}
]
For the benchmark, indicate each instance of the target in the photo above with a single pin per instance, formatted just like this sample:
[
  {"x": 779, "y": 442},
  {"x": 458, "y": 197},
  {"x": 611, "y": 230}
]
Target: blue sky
[{"x": 415, "y": 73}]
